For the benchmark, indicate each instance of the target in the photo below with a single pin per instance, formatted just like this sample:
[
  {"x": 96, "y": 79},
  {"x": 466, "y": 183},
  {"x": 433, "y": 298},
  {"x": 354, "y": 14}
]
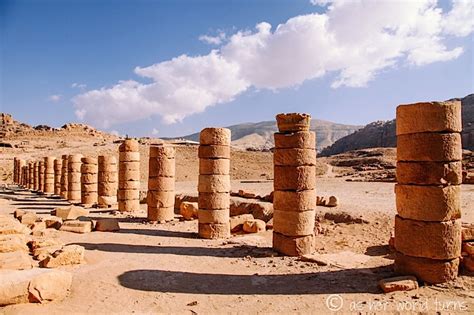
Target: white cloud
[
  {"x": 154, "y": 131},
  {"x": 355, "y": 40},
  {"x": 80, "y": 86},
  {"x": 213, "y": 40},
  {"x": 55, "y": 98},
  {"x": 115, "y": 133}
]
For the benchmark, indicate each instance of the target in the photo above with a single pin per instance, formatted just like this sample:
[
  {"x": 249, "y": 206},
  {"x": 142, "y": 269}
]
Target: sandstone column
[
  {"x": 89, "y": 170},
  {"x": 129, "y": 176},
  {"x": 36, "y": 176},
  {"x": 15, "y": 170},
  {"x": 21, "y": 172},
  {"x": 429, "y": 175},
  {"x": 74, "y": 178},
  {"x": 48, "y": 175},
  {"x": 161, "y": 178},
  {"x": 108, "y": 178},
  {"x": 57, "y": 176},
  {"x": 64, "y": 177},
  {"x": 25, "y": 175},
  {"x": 41, "y": 169},
  {"x": 294, "y": 197},
  {"x": 214, "y": 183},
  {"x": 31, "y": 175}
]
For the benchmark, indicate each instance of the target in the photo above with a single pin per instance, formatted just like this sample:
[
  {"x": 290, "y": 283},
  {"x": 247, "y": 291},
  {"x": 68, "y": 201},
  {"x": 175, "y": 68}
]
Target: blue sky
[{"x": 47, "y": 46}]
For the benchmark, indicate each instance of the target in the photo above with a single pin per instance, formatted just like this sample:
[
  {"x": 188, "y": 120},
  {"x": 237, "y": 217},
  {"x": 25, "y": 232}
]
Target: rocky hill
[
  {"x": 259, "y": 136},
  {"x": 11, "y": 129},
  {"x": 382, "y": 133}
]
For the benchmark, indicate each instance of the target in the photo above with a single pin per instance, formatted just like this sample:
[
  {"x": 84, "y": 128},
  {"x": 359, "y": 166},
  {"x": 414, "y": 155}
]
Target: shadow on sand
[{"x": 326, "y": 282}]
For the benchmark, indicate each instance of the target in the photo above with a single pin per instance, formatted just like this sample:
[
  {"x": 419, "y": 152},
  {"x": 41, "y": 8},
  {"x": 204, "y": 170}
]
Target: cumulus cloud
[
  {"x": 213, "y": 40},
  {"x": 55, "y": 98},
  {"x": 154, "y": 131},
  {"x": 355, "y": 40},
  {"x": 80, "y": 86}
]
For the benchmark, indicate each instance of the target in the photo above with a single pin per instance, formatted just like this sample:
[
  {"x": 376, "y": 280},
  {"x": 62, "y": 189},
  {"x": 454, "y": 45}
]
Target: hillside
[
  {"x": 382, "y": 133},
  {"x": 259, "y": 136}
]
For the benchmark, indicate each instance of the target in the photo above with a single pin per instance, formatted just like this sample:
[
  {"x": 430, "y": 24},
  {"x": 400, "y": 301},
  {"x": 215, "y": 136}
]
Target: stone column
[
  {"x": 21, "y": 172},
  {"x": 214, "y": 183},
  {"x": 89, "y": 170},
  {"x": 49, "y": 175},
  {"x": 41, "y": 169},
  {"x": 57, "y": 176},
  {"x": 36, "y": 176},
  {"x": 15, "y": 170},
  {"x": 161, "y": 178},
  {"x": 64, "y": 176},
  {"x": 25, "y": 175},
  {"x": 108, "y": 182},
  {"x": 31, "y": 185},
  {"x": 294, "y": 197},
  {"x": 429, "y": 175},
  {"x": 74, "y": 178},
  {"x": 129, "y": 176}
]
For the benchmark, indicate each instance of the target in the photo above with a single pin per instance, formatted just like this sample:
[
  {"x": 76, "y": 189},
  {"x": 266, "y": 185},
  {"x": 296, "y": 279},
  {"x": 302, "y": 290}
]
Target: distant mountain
[
  {"x": 383, "y": 134},
  {"x": 259, "y": 136}
]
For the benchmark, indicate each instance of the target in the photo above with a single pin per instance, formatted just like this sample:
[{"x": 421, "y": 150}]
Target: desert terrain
[{"x": 166, "y": 268}]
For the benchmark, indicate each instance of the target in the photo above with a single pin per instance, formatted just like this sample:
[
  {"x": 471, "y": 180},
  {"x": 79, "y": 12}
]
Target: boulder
[
  {"x": 52, "y": 222},
  {"x": 18, "y": 260},
  {"x": 70, "y": 212},
  {"x": 34, "y": 285},
  {"x": 77, "y": 226},
  {"x": 107, "y": 225},
  {"x": 38, "y": 226},
  {"x": 189, "y": 210},
  {"x": 48, "y": 233},
  {"x": 68, "y": 255},
  {"x": 402, "y": 283},
  {"x": 18, "y": 213},
  {"x": 254, "y": 226},
  {"x": 237, "y": 222}
]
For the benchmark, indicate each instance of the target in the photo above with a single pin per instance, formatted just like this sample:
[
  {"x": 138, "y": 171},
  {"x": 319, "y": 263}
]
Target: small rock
[
  {"x": 77, "y": 226},
  {"x": 189, "y": 210},
  {"x": 236, "y": 222},
  {"x": 107, "y": 225},
  {"x": 403, "y": 283},
  {"x": 15, "y": 261},
  {"x": 53, "y": 222},
  {"x": 68, "y": 255},
  {"x": 333, "y": 201},
  {"x": 70, "y": 212},
  {"x": 254, "y": 226}
]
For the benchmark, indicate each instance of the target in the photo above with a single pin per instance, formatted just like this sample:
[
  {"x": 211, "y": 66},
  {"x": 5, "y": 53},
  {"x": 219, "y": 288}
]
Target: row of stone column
[{"x": 429, "y": 175}]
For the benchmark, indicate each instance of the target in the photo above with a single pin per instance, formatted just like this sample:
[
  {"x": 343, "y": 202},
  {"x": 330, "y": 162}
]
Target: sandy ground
[{"x": 165, "y": 268}]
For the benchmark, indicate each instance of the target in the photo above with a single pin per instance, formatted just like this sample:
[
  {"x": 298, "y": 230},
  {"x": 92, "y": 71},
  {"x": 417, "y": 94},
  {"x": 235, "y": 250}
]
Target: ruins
[
  {"x": 107, "y": 181},
  {"x": 129, "y": 176}
]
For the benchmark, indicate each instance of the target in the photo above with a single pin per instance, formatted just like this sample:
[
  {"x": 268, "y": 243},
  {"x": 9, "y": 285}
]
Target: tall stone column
[
  {"x": 21, "y": 172},
  {"x": 36, "y": 176},
  {"x": 129, "y": 176},
  {"x": 429, "y": 175},
  {"x": 161, "y": 179},
  {"x": 64, "y": 177},
  {"x": 25, "y": 175},
  {"x": 89, "y": 177},
  {"x": 15, "y": 170},
  {"x": 294, "y": 197},
  {"x": 57, "y": 176},
  {"x": 108, "y": 182},
  {"x": 214, "y": 183},
  {"x": 49, "y": 175},
  {"x": 31, "y": 175},
  {"x": 74, "y": 178},
  {"x": 41, "y": 169}
]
